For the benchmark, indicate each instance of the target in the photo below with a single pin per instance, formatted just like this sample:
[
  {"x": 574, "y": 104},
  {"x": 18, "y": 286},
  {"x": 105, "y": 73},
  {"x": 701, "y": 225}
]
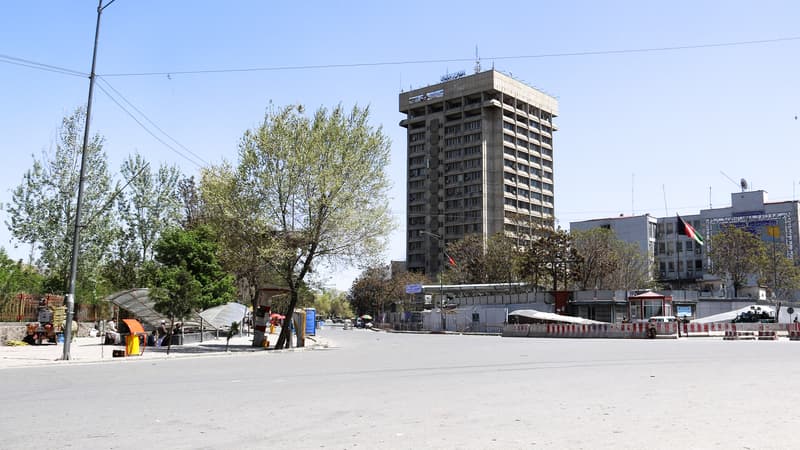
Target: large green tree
[
  {"x": 738, "y": 255},
  {"x": 177, "y": 295},
  {"x": 147, "y": 206},
  {"x": 332, "y": 303},
  {"x": 195, "y": 251},
  {"x": 634, "y": 269},
  {"x": 494, "y": 262},
  {"x": 375, "y": 290},
  {"x": 608, "y": 262},
  {"x": 551, "y": 256},
  {"x": 780, "y": 272},
  {"x": 306, "y": 190},
  {"x": 597, "y": 247},
  {"x": 42, "y": 208},
  {"x": 15, "y": 278}
]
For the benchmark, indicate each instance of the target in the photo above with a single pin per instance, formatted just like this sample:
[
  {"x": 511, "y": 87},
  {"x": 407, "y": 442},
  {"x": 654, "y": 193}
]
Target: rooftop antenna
[
  {"x": 477, "y": 61},
  {"x": 709, "y": 198},
  {"x": 743, "y": 184},
  {"x": 666, "y": 210},
  {"x": 633, "y": 178}
]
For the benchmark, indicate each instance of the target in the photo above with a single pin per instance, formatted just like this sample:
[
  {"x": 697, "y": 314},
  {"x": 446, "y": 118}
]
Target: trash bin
[{"x": 131, "y": 345}]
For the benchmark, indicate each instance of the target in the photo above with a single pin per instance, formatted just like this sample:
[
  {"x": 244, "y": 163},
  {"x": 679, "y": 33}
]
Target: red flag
[
  {"x": 450, "y": 260},
  {"x": 687, "y": 230}
]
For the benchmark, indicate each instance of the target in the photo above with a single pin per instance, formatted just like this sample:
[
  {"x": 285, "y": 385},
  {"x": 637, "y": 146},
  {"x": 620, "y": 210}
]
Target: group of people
[{"x": 160, "y": 335}]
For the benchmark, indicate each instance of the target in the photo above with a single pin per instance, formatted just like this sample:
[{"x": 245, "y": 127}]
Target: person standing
[{"x": 161, "y": 333}]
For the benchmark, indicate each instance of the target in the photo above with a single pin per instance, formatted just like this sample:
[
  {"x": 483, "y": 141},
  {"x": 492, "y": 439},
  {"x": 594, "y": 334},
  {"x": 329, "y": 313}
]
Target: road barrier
[
  {"x": 599, "y": 331},
  {"x": 767, "y": 335},
  {"x": 659, "y": 330}
]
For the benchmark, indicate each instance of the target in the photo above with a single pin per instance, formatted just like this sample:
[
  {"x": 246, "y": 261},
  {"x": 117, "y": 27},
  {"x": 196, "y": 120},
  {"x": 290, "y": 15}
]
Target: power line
[
  {"x": 199, "y": 158},
  {"x": 8, "y": 59},
  {"x": 116, "y": 193},
  {"x": 135, "y": 119},
  {"x": 455, "y": 60}
]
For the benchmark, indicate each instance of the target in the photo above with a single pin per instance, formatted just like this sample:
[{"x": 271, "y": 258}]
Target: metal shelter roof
[
  {"x": 223, "y": 315},
  {"x": 551, "y": 317},
  {"x": 138, "y": 302}
]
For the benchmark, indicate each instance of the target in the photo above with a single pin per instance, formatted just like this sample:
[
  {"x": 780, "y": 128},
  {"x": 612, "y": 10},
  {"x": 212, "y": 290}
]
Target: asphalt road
[{"x": 404, "y": 391}]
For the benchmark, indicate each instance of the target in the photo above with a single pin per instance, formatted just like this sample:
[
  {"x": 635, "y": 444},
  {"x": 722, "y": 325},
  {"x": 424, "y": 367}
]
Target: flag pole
[{"x": 677, "y": 260}]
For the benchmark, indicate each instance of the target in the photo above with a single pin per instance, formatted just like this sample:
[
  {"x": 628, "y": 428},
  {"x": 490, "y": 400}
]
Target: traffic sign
[{"x": 413, "y": 288}]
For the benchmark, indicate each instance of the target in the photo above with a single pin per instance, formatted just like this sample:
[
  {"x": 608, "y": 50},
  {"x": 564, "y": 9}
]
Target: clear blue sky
[{"x": 635, "y": 129}]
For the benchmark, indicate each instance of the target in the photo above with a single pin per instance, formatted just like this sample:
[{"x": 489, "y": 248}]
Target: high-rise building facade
[{"x": 479, "y": 160}]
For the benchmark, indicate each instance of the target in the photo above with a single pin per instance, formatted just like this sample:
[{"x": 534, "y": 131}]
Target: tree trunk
[{"x": 286, "y": 329}]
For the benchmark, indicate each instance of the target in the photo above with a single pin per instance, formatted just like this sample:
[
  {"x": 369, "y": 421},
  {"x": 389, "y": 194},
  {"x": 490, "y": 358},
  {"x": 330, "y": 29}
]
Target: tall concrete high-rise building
[{"x": 479, "y": 160}]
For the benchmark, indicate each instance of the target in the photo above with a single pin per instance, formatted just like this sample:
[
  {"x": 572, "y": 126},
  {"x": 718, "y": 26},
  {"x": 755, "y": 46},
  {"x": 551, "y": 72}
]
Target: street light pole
[
  {"x": 441, "y": 275},
  {"x": 73, "y": 268}
]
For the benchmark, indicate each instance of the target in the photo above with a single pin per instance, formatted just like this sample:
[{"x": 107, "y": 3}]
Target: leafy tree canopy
[
  {"x": 475, "y": 263},
  {"x": 43, "y": 206},
  {"x": 195, "y": 251},
  {"x": 306, "y": 190},
  {"x": 737, "y": 254}
]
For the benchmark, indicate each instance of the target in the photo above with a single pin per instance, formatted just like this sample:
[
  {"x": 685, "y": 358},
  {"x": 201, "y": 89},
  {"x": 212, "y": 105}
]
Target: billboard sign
[{"x": 413, "y": 288}]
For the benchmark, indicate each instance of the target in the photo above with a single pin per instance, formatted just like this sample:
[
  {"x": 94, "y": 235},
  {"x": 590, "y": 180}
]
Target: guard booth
[
  {"x": 262, "y": 311},
  {"x": 649, "y": 304}
]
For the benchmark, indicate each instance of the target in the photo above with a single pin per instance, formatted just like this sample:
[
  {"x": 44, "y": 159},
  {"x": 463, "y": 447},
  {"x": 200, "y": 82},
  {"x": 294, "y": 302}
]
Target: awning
[
  {"x": 551, "y": 317},
  {"x": 134, "y": 326},
  {"x": 138, "y": 302},
  {"x": 223, "y": 315}
]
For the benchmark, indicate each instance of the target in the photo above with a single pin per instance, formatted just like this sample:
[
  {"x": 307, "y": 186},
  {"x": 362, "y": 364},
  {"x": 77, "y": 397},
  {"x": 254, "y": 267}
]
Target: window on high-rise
[
  {"x": 474, "y": 150},
  {"x": 452, "y": 129},
  {"x": 474, "y": 125}
]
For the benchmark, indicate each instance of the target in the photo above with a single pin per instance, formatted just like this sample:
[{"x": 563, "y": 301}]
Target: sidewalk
[{"x": 90, "y": 350}]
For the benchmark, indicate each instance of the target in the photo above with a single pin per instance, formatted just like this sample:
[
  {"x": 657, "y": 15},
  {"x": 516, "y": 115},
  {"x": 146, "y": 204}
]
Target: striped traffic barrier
[
  {"x": 746, "y": 335},
  {"x": 766, "y": 335},
  {"x": 794, "y": 335}
]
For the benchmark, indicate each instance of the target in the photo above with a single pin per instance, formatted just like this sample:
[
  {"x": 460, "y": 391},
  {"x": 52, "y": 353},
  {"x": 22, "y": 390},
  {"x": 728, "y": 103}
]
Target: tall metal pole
[
  {"x": 441, "y": 274},
  {"x": 441, "y": 284},
  {"x": 73, "y": 267}
]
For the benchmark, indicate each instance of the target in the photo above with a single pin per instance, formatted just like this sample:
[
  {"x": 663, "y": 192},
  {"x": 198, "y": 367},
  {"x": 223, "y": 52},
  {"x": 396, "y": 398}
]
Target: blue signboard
[
  {"x": 311, "y": 321},
  {"x": 413, "y": 288}
]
